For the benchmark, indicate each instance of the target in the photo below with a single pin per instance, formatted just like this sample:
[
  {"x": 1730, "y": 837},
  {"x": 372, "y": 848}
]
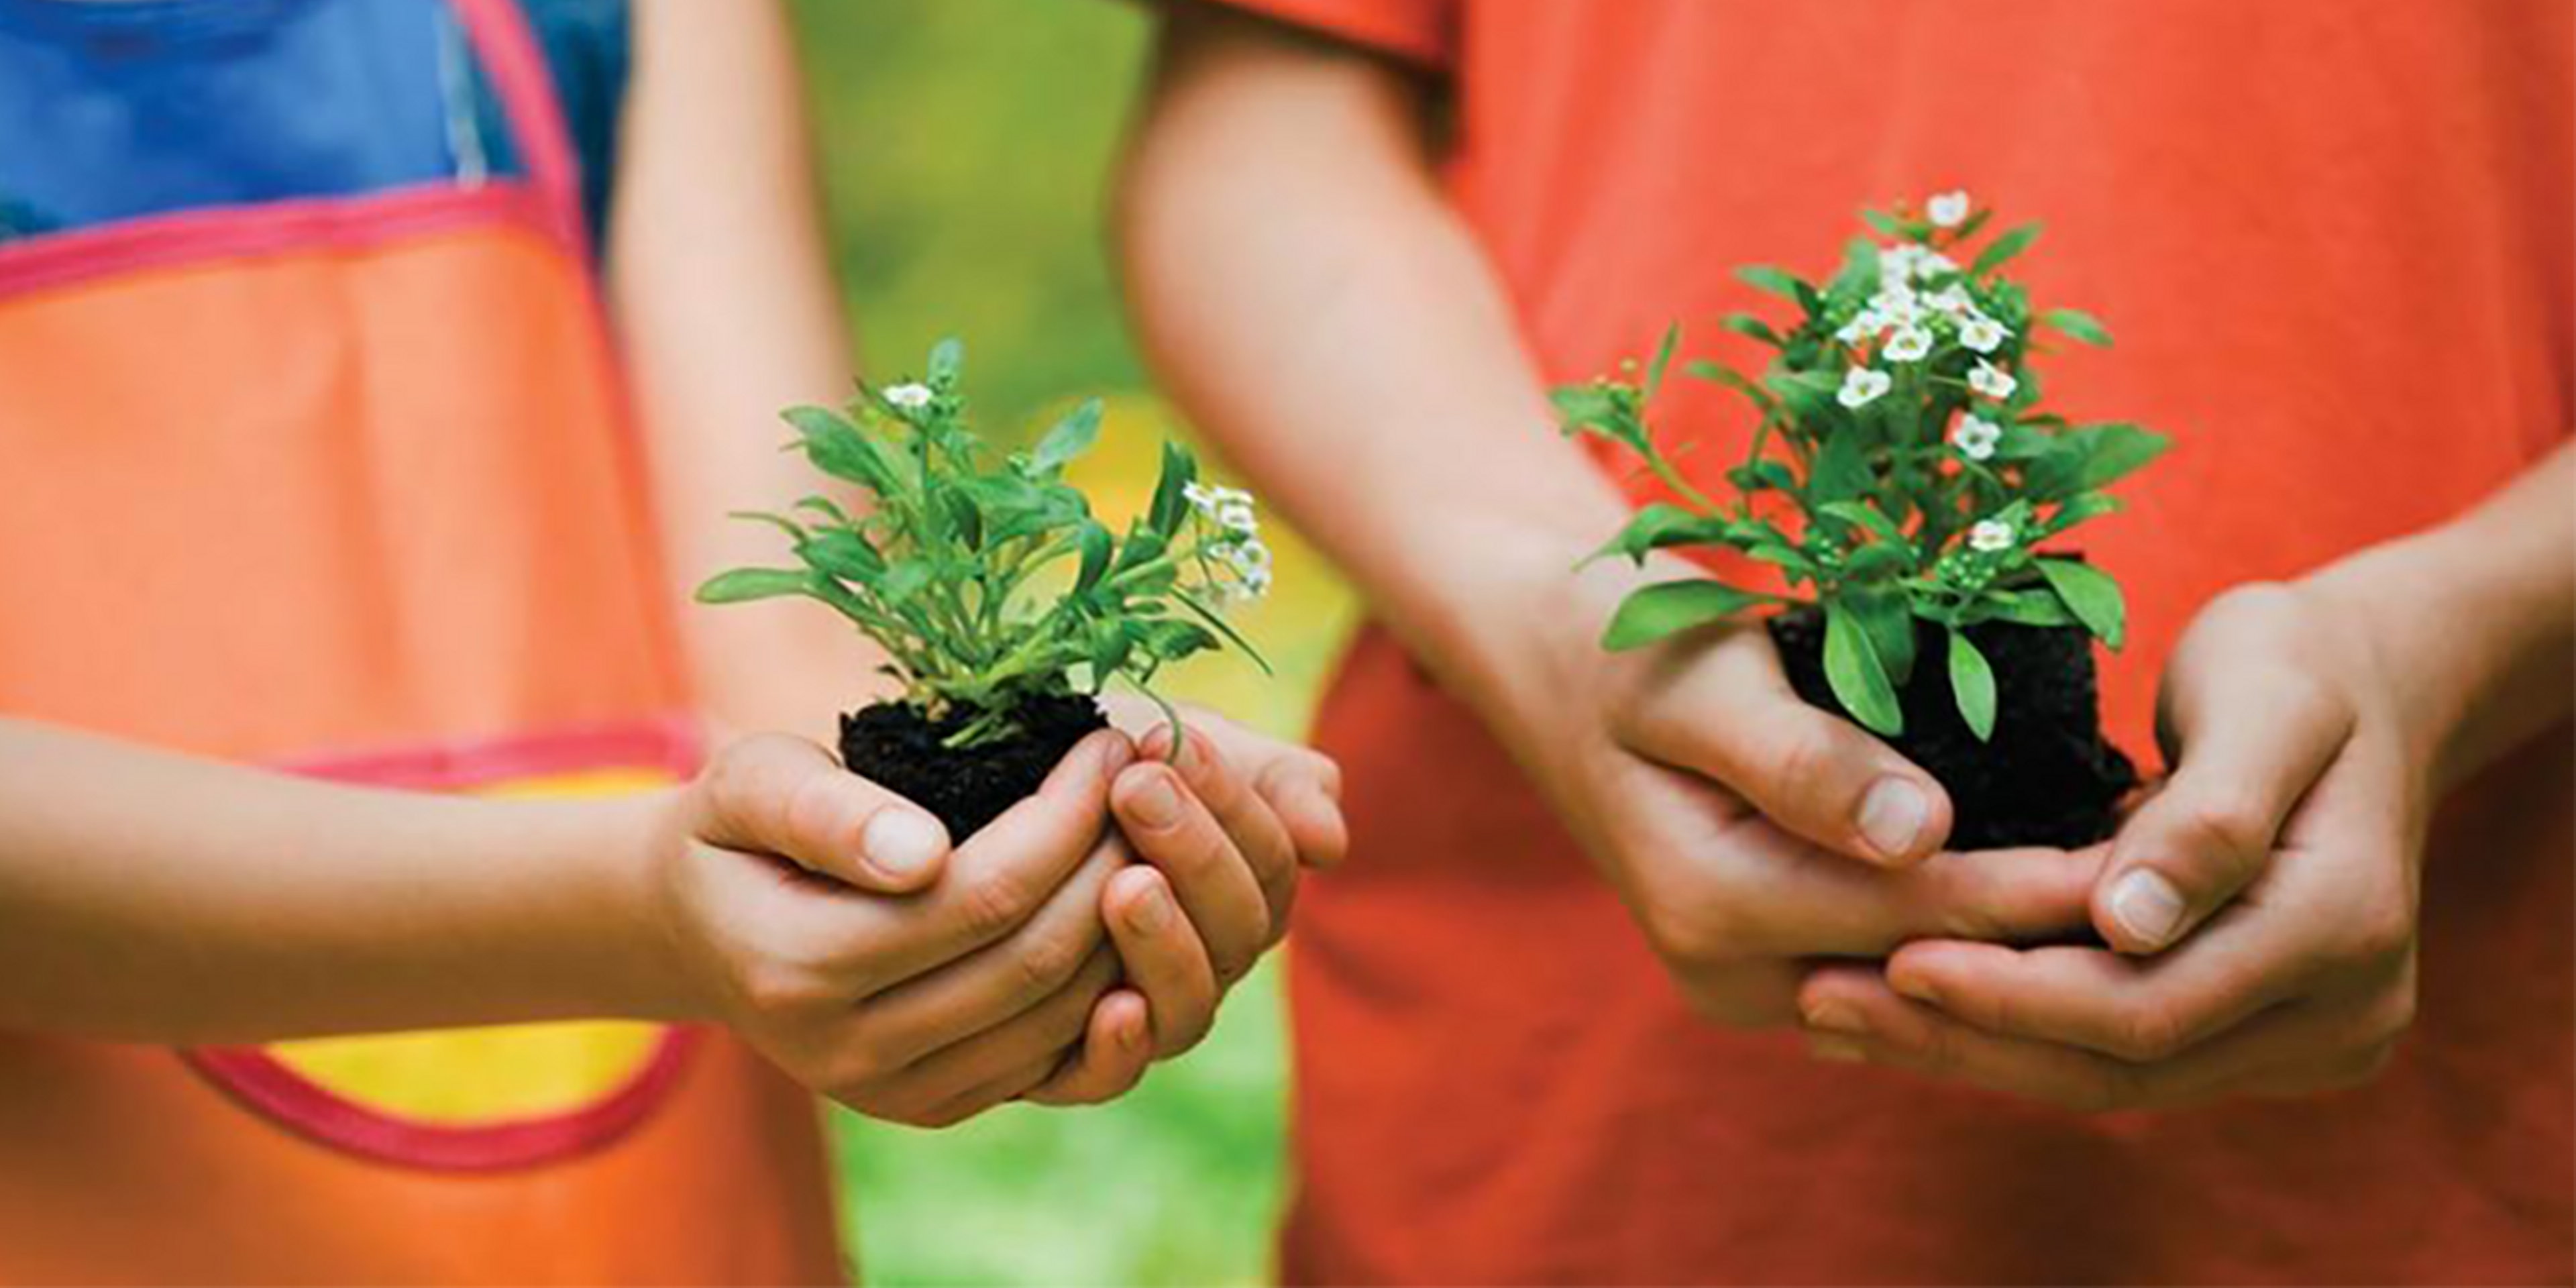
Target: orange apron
[{"x": 346, "y": 486}]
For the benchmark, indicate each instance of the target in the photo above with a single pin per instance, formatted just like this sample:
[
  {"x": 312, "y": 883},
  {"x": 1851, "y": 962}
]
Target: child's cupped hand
[{"x": 833, "y": 925}]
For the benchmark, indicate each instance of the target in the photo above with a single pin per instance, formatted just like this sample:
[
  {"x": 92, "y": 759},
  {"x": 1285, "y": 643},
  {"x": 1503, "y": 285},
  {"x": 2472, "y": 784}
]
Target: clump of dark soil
[
  {"x": 896, "y": 746},
  {"x": 2047, "y": 777}
]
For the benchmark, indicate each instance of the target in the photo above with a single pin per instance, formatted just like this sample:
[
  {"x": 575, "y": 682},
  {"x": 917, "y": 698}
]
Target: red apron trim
[
  {"x": 516, "y": 62},
  {"x": 282, "y": 1095},
  {"x": 162, "y": 241}
]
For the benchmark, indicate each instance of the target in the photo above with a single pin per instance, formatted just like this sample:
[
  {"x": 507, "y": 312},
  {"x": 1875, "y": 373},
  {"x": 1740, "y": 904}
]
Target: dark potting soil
[
  {"x": 2047, "y": 778},
  {"x": 895, "y": 746}
]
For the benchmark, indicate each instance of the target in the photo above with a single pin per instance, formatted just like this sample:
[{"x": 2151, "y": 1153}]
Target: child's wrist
[{"x": 640, "y": 970}]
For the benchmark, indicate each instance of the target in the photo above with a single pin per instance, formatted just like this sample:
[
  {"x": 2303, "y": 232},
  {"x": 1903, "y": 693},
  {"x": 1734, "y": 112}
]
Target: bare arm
[{"x": 725, "y": 302}]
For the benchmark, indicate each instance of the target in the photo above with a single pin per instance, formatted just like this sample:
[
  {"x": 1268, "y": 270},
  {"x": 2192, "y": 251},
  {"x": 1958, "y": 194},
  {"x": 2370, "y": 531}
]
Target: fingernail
[
  {"x": 1915, "y": 987},
  {"x": 1835, "y": 1017},
  {"x": 1156, "y": 804},
  {"x": 1892, "y": 816},
  {"x": 901, "y": 842},
  {"x": 1833, "y": 1050},
  {"x": 2147, "y": 906},
  {"x": 1151, "y": 912}
]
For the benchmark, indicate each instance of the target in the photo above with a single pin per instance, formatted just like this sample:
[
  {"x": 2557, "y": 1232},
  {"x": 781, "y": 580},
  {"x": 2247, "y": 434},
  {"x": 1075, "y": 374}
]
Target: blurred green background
[{"x": 965, "y": 147}]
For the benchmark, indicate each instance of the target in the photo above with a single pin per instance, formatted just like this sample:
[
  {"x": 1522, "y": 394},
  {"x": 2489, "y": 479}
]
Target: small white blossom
[
  {"x": 1864, "y": 324},
  {"x": 1992, "y": 381},
  {"x": 1897, "y": 304},
  {"x": 1250, "y": 561},
  {"x": 1862, "y": 386},
  {"x": 911, "y": 397},
  {"x": 1237, "y": 516},
  {"x": 1982, "y": 334},
  {"x": 1201, "y": 497},
  {"x": 1949, "y": 210},
  {"x": 1990, "y": 536},
  {"x": 1909, "y": 344},
  {"x": 1952, "y": 300},
  {"x": 1976, "y": 438}
]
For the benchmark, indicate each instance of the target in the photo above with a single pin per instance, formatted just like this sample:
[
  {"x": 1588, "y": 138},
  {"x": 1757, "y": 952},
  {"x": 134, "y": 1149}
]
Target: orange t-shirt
[{"x": 2333, "y": 239}]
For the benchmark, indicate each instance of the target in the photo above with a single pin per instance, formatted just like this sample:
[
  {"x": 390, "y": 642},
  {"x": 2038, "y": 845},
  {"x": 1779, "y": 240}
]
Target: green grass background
[{"x": 965, "y": 147}]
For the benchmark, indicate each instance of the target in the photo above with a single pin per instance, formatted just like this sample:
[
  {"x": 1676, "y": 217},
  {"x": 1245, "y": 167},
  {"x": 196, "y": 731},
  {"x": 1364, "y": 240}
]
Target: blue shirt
[{"x": 111, "y": 111}]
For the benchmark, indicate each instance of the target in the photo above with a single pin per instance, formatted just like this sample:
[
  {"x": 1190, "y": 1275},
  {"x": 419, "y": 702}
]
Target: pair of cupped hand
[
  {"x": 1052, "y": 957},
  {"x": 2258, "y": 907}
]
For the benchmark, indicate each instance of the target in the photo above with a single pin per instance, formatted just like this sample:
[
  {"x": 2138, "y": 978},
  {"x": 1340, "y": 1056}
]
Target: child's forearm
[
  {"x": 1319, "y": 310},
  {"x": 2475, "y": 620},
  {"x": 153, "y": 897}
]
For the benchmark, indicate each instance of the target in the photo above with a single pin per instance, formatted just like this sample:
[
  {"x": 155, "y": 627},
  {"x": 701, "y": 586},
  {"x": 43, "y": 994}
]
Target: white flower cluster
[
  {"x": 1906, "y": 315},
  {"x": 1240, "y": 548}
]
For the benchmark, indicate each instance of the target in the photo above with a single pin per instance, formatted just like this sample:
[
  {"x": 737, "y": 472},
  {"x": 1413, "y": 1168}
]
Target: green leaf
[
  {"x": 1713, "y": 373},
  {"x": 1760, "y": 476},
  {"x": 1885, "y": 224},
  {"x": 1071, "y": 437},
  {"x": 947, "y": 363},
  {"x": 1875, "y": 561},
  {"x": 844, "y": 554},
  {"x": 1777, "y": 281},
  {"x": 2091, "y": 595},
  {"x": 2079, "y": 325},
  {"x": 1840, "y": 471},
  {"x": 1890, "y": 623},
  {"x": 837, "y": 448},
  {"x": 2091, "y": 457},
  {"x": 1097, "y": 546},
  {"x": 2091, "y": 505},
  {"x": 1972, "y": 684},
  {"x": 1865, "y": 516},
  {"x": 1657, "y": 526},
  {"x": 2002, "y": 249},
  {"x": 1171, "y": 496},
  {"x": 1858, "y": 678},
  {"x": 1656, "y": 612},
  {"x": 1747, "y": 324},
  {"x": 2020, "y": 607},
  {"x": 1663, "y": 359},
  {"x": 743, "y": 585},
  {"x": 1859, "y": 274}
]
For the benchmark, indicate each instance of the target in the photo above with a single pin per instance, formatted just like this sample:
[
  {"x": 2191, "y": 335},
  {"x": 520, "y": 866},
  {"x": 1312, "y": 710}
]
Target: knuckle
[
  {"x": 2376, "y": 935},
  {"x": 1045, "y": 963},
  {"x": 992, "y": 903},
  {"x": 2229, "y": 823},
  {"x": 1687, "y": 933},
  {"x": 774, "y": 988},
  {"x": 2147, "y": 1033}
]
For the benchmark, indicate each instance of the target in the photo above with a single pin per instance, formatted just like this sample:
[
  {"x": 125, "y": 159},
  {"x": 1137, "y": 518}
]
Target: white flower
[
  {"x": 1237, "y": 516},
  {"x": 1862, "y": 386},
  {"x": 1952, "y": 300},
  {"x": 1992, "y": 381},
  {"x": 1990, "y": 535},
  {"x": 1983, "y": 334},
  {"x": 1949, "y": 210},
  {"x": 1976, "y": 438},
  {"x": 1909, "y": 344},
  {"x": 1201, "y": 497},
  {"x": 1864, "y": 324},
  {"x": 1250, "y": 561},
  {"x": 1897, "y": 305},
  {"x": 910, "y": 397}
]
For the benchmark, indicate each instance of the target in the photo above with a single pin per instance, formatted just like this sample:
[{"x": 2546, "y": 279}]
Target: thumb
[
  {"x": 2249, "y": 742},
  {"x": 1726, "y": 710},
  {"x": 784, "y": 796}
]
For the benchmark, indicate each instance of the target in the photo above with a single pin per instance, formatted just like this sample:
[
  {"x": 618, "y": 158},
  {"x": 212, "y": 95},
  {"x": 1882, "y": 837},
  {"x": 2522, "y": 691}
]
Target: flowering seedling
[
  {"x": 994, "y": 591},
  {"x": 1903, "y": 471}
]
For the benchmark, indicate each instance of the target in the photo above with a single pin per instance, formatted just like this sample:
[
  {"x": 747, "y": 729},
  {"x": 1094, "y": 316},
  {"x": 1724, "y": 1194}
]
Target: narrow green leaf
[
  {"x": 742, "y": 585},
  {"x": 1777, "y": 281},
  {"x": 2020, "y": 607},
  {"x": 1972, "y": 684},
  {"x": 844, "y": 554},
  {"x": 2079, "y": 325},
  {"x": 1657, "y": 526},
  {"x": 1747, "y": 324},
  {"x": 1071, "y": 437},
  {"x": 2001, "y": 250},
  {"x": 1096, "y": 548},
  {"x": 2091, "y": 595},
  {"x": 947, "y": 362},
  {"x": 1663, "y": 359},
  {"x": 1859, "y": 680},
  {"x": 1659, "y": 611},
  {"x": 1171, "y": 496},
  {"x": 1865, "y": 516}
]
